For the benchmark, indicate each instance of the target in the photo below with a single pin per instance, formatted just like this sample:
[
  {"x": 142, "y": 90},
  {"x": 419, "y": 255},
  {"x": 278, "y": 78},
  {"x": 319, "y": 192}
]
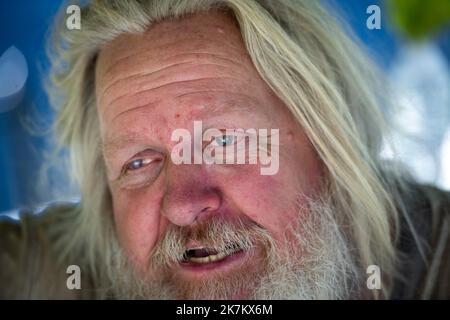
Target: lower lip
[{"x": 222, "y": 265}]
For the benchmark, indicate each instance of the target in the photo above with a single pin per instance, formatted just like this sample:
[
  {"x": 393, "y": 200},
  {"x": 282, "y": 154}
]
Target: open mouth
[{"x": 204, "y": 255}]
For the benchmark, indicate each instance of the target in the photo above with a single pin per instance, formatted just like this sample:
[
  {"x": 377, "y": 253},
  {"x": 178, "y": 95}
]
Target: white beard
[{"x": 319, "y": 266}]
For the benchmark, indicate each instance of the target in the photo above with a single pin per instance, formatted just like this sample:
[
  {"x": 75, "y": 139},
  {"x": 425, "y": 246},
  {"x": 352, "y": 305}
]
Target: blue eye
[
  {"x": 137, "y": 164},
  {"x": 225, "y": 140}
]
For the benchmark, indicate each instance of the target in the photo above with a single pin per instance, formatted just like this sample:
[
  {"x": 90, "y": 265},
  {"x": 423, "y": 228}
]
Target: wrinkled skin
[{"x": 148, "y": 85}]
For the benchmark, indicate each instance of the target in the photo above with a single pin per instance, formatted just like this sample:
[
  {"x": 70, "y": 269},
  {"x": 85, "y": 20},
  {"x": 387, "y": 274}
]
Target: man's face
[{"x": 147, "y": 86}]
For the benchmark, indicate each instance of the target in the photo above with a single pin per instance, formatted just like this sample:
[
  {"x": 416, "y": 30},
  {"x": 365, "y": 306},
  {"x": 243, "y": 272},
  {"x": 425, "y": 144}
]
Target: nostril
[
  {"x": 206, "y": 209},
  {"x": 184, "y": 207},
  {"x": 204, "y": 214}
]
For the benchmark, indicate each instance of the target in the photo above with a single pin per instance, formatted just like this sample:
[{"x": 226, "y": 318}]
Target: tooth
[
  {"x": 200, "y": 260},
  {"x": 212, "y": 258}
]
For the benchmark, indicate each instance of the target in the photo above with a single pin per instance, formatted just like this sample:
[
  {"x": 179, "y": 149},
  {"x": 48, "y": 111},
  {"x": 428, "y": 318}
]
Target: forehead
[
  {"x": 195, "y": 63},
  {"x": 200, "y": 38},
  {"x": 198, "y": 29}
]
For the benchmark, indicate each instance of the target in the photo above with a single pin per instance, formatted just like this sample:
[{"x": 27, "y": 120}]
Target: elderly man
[{"x": 225, "y": 149}]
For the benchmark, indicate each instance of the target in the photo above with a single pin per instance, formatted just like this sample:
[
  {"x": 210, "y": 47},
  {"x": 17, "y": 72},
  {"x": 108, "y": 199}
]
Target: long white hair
[{"x": 305, "y": 57}]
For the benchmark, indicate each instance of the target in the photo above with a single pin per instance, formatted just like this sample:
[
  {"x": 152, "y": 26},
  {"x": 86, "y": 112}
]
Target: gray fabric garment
[{"x": 429, "y": 278}]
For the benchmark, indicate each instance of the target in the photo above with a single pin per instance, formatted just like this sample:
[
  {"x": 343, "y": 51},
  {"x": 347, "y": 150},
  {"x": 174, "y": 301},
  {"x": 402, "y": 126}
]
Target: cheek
[
  {"x": 271, "y": 200},
  {"x": 266, "y": 200},
  {"x": 137, "y": 224}
]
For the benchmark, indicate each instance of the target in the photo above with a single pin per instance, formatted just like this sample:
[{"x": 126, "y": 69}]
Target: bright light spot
[
  {"x": 13, "y": 76},
  {"x": 444, "y": 180}
]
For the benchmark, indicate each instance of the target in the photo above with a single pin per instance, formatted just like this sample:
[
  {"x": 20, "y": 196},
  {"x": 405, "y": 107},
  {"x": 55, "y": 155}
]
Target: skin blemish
[{"x": 290, "y": 135}]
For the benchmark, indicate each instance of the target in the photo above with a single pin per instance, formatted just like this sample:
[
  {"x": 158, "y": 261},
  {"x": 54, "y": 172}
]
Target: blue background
[{"x": 25, "y": 24}]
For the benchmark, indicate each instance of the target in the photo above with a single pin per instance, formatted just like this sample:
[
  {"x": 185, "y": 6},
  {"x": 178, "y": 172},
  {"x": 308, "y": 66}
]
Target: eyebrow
[
  {"x": 216, "y": 109},
  {"x": 213, "y": 109},
  {"x": 121, "y": 142}
]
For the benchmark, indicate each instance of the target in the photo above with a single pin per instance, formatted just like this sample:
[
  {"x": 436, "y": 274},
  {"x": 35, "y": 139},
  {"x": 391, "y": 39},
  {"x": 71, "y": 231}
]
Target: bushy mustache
[{"x": 217, "y": 233}]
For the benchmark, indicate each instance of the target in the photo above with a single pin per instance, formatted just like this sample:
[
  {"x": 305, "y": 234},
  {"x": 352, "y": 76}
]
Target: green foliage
[{"x": 420, "y": 18}]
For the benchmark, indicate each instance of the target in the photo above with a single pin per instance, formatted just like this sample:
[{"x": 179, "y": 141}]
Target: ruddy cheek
[
  {"x": 258, "y": 195},
  {"x": 137, "y": 230}
]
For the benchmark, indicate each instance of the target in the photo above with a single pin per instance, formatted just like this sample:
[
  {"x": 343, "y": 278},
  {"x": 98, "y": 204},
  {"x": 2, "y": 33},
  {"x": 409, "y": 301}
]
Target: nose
[{"x": 190, "y": 197}]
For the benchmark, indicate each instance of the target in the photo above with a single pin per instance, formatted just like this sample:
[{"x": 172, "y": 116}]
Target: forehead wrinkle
[
  {"x": 215, "y": 55},
  {"x": 154, "y": 73},
  {"x": 215, "y": 110},
  {"x": 136, "y": 76},
  {"x": 147, "y": 53},
  {"x": 231, "y": 105},
  {"x": 212, "y": 109},
  {"x": 147, "y": 105},
  {"x": 190, "y": 57},
  {"x": 118, "y": 100}
]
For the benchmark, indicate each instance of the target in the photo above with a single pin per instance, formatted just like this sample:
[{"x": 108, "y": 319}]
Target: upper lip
[{"x": 194, "y": 244}]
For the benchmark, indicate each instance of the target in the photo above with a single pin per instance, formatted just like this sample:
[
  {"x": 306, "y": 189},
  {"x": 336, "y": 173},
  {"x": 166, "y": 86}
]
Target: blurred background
[{"x": 410, "y": 42}]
